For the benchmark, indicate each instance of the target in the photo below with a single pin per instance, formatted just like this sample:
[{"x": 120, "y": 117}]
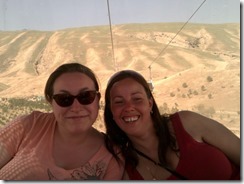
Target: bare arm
[{"x": 212, "y": 132}]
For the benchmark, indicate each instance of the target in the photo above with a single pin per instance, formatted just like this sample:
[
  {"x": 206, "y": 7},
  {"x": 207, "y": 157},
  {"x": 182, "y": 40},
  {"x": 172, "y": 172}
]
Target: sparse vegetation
[
  {"x": 203, "y": 88},
  {"x": 184, "y": 85},
  {"x": 207, "y": 111},
  {"x": 209, "y": 79},
  {"x": 195, "y": 92},
  {"x": 10, "y": 108},
  {"x": 172, "y": 94}
]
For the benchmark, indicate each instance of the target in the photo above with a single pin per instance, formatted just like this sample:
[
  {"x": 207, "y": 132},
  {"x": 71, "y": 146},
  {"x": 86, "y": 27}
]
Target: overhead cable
[
  {"x": 176, "y": 34},
  {"x": 111, "y": 36}
]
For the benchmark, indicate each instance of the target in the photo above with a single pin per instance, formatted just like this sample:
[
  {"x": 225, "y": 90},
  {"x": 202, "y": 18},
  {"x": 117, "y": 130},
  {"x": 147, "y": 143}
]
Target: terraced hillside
[{"x": 198, "y": 70}]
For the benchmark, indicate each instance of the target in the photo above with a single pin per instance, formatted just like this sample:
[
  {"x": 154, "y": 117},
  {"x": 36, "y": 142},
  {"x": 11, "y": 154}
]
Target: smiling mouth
[
  {"x": 76, "y": 117},
  {"x": 130, "y": 119}
]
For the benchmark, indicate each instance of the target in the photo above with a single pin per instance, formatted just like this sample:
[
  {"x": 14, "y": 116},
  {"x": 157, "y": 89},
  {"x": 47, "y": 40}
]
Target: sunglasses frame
[{"x": 80, "y": 98}]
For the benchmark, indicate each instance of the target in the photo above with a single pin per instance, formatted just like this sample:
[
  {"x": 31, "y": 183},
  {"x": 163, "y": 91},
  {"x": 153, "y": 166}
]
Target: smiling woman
[
  {"x": 165, "y": 147},
  {"x": 60, "y": 145}
]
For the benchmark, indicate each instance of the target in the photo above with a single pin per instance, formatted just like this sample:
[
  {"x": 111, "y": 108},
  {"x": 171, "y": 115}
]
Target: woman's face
[
  {"x": 76, "y": 117},
  {"x": 131, "y": 107}
]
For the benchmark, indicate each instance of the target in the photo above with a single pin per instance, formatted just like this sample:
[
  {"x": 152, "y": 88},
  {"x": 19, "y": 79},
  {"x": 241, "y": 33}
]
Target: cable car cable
[
  {"x": 176, "y": 34},
  {"x": 111, "y": 36}
]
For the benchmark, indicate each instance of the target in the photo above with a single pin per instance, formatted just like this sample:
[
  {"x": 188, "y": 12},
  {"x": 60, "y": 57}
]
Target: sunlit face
[
  {"x": 77, "y": 117},
  {"x": 131, "y": 107}
]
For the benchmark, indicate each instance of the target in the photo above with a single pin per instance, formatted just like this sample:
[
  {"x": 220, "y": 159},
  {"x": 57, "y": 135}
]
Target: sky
[{"x": 60, "y": 14}]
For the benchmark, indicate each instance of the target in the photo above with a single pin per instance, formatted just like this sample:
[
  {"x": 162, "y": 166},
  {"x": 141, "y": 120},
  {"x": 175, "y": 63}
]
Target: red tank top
[{"x": 198, "y": 161}]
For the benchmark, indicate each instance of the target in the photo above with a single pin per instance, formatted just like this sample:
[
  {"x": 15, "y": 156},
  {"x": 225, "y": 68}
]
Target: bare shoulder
[
  {"x": 197, "y": 125},
  {"x": 204, "y": 129},
  {"x": 190, "y": 114},
  {"x": 191, "y": 118}
]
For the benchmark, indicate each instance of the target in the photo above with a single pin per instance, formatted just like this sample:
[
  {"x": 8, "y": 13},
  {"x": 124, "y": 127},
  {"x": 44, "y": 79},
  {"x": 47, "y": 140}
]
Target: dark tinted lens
[
  {"x": 64, "y": 100},
  {"x": 86, "y": 97}
]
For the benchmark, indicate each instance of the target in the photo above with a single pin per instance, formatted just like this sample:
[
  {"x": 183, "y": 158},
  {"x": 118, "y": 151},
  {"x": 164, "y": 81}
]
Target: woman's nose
[
  {"x": 129, "y": 106},
  {"x": 76, "y": 105}
]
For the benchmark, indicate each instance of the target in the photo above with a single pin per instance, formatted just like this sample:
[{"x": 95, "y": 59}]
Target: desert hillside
[{"x": 198, "y": 70}]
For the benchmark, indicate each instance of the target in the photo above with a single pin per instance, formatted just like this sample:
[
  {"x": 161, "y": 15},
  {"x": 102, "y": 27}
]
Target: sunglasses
[{"x": 84, "y": 98}]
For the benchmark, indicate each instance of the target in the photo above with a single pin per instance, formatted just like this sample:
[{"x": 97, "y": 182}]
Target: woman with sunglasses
[
  {"x": 180, "y": 146},
  {"x": 61, "y": 145}
]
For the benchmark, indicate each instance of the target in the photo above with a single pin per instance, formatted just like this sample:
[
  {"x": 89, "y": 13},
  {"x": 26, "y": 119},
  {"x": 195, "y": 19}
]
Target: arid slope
[{"x": 198, "y": 70}]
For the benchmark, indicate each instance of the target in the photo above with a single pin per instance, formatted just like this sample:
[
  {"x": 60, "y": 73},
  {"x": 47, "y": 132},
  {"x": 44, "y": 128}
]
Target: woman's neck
[
  {"x": 77, "y": 139},
  {"x": 147, "y": 144}
]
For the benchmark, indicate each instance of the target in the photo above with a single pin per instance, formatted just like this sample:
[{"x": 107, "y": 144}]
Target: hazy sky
[{"x": 60, "y": 14}]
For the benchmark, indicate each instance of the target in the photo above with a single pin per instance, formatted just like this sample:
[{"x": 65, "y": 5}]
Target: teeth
[{"x": 131, "y": 119}]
